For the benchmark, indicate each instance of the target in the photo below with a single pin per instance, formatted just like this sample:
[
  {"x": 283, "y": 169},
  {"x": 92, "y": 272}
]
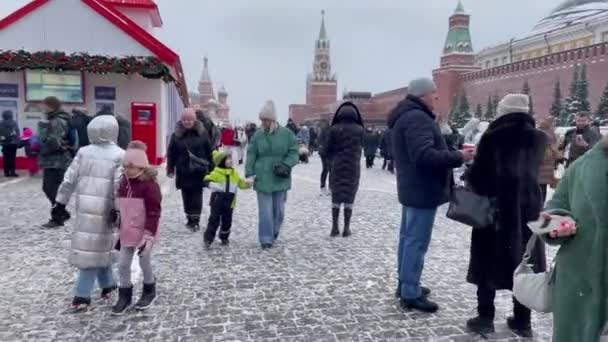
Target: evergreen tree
[
  {"x": 602, "y": 109},
  {"x": 572, "y": 104},
  {"x": 479, "y": 111},
  {"x": 490, "y": 113},
  {"x": 495, "y": 101},
  {"x": 582, "y": 90},
  {"x": 462, "y": 113},
  {"x": 556, "y": 107},
  {"x": 526, "y": 90}
]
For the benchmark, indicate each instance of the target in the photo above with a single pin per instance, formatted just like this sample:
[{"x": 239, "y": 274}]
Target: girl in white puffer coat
[{"x": 93, "y": 176}]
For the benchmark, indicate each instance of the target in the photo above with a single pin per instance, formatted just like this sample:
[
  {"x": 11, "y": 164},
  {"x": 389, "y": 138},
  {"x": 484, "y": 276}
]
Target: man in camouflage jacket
[{"x": 55, "y": 156}]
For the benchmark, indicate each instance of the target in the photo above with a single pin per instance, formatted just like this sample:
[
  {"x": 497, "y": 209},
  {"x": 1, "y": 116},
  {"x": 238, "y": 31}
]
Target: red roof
[
  {"x": 113, "y": 15},
  {"x": 145, "y": 4},
  {"x": 133, "y": 3}
]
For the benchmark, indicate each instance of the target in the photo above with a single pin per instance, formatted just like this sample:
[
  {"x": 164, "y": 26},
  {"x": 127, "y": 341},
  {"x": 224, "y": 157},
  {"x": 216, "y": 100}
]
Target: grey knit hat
[
  {"x": 421, "y": 86},
  {"x": 514, "y": 103}
]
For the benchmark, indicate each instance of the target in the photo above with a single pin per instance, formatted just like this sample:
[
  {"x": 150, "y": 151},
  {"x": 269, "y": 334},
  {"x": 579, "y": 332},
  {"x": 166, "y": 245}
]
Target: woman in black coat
[
  {"x": 343, "y": 148},
  {"x": 506, "y": 168},
  {"x": 371, "y": 141},
  {"x": 189, "y": 160}
]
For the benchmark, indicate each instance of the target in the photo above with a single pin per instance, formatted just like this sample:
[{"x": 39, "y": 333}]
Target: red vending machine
[{"x": 144, "y": 123}]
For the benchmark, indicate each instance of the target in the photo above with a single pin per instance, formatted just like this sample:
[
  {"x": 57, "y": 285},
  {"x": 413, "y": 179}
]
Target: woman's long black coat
[
  {"x": 506, "y": 168},
  {"x": 343, "y": 147},
  {"x": 197, "y": 141}
]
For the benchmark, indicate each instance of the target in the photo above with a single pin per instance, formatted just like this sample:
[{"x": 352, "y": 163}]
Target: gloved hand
[
  {"x": 114, "y": 218},
  {"x": 59, "y": 213},
  {"x": 145, "y": 246}
]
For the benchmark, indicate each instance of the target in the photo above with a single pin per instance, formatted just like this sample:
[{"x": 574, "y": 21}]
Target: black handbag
[
  {"x": 197, "y": 164},
  {"x": 471, "y": 209},
  {"x": 282, "y": 170}
]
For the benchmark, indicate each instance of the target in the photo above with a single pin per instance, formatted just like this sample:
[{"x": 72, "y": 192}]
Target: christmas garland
[{"x": 148, "y": 67}]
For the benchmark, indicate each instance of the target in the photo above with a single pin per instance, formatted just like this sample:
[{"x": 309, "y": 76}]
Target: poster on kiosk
[{"x": 144, "y": 121}]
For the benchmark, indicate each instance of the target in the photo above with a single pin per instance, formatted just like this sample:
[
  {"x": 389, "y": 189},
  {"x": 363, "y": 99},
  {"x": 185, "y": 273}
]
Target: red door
[{"x": 144, "y": 122}]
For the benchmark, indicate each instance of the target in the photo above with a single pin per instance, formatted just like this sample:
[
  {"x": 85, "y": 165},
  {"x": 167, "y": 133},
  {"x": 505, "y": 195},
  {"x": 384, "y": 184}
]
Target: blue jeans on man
[
  {"x": 414, "y": 239},
  {"x": 271, "y": 212},
  {"x": 86, "y": 280}
]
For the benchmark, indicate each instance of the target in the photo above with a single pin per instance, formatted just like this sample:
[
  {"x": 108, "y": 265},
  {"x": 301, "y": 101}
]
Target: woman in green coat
[
  {"x": 271, "y": 155},
  {"x": 580, "y": 298}
]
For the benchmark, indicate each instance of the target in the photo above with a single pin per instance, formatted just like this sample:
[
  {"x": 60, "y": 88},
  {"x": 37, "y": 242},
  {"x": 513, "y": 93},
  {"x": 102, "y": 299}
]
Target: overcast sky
[{"x": 263, "y": 49}]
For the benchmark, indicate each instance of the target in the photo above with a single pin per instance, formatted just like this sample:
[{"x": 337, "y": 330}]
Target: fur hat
[
  {"x": 421, "y": 86},
  {"x": 136, "y": 155},
  {"x": 219, "y": 156},
  {"x": 514, "y": 103},
  {"x": 268, "y": 111}
]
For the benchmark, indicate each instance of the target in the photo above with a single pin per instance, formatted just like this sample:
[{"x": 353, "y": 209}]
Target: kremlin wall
[{"x": 573, "y": 33}]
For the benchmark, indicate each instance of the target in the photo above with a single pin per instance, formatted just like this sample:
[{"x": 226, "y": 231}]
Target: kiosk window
[{"x": 144, "y": 115}]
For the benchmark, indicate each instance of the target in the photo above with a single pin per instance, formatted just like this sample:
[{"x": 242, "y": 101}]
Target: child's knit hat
[
  {"x": 136, "y": 155},
  {"x": 219, "y": 156}
]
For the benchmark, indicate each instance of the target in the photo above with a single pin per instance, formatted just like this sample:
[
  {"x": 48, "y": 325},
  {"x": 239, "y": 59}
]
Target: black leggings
[
  {"x": 51, "y": 180},
  {"x": 325, "y": 171},
  {"x": 193, "y": 202},
  {"x": 369, "y": 161},
  {"x": 9, "y": 156},
  {"x": 486, "y": 308}
]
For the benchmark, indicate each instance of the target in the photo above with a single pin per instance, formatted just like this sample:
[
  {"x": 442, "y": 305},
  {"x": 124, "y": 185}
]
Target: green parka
[
  {"x": 267, "y": 150},
  {"x": 580, "y": 300}
]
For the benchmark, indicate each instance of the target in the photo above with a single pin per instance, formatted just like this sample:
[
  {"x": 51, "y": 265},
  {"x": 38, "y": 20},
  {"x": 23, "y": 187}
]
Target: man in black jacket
[
  {"x": 124, "y": 127},
  {"x": 424, "y": 167},
  {"x": 580, "y": 139}
]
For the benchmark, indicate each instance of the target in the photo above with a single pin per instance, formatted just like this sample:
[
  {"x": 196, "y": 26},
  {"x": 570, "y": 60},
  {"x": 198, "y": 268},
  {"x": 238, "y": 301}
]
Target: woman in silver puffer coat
[{"x": 93, "y": 176}]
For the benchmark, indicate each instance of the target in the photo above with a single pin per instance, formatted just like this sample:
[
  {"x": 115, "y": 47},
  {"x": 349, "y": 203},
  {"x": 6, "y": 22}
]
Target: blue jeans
[
  {"x": 86, "y": 280},
  {"x": 414, "y": 240},
  {"x": 271, "y": 212}
]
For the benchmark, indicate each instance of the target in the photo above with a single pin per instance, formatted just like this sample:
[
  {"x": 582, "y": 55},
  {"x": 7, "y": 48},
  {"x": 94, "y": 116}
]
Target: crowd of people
[{"x": 512, "y": 160}]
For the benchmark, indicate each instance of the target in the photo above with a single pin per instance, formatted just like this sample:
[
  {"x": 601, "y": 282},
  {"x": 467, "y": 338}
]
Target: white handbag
[{"x": 533, "y": 290}]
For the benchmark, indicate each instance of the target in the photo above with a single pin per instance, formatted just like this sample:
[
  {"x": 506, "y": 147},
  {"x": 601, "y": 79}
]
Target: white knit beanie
[
  {"x": 268, "y": 111},
  {"x": 514, "y": 103}
]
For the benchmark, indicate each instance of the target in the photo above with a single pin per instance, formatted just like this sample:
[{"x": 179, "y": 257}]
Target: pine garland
[{"x": 148, "y": 67}]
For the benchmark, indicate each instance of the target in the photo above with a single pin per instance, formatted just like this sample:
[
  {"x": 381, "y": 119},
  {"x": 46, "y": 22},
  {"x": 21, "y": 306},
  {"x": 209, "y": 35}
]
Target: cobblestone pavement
[{"x": 309, "y": 288}]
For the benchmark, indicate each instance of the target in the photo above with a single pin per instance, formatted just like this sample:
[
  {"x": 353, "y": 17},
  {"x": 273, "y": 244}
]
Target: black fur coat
[{"x": 506, "y": 167}]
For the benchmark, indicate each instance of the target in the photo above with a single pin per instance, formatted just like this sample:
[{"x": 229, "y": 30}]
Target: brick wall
[
  {"x": 321, "y": 94},
  {"x": 541, "y": 73}
]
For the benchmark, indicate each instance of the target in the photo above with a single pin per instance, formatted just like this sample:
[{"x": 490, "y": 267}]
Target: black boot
[
  {"x": 335, "y": 215},
  {"x": 425, "y": 291},
  {"x": 148, "y": 296},
  {"x": 420, "y": 304},
  {"x": 193, "y": 223},
  {"x": 106, "y": 294},
  {"x": 520, "y": 327},
  {"x": 80, "y": 304},
  {"x": 125, "y": 298},
  {"x": 481, "y": 325},
  {"x": 348, "y": 213},
  {"x": 52, "y": 224}
]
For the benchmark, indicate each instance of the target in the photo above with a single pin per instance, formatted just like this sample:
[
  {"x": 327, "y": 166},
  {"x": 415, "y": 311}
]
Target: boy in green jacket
[{"x": 224, "y": 181}]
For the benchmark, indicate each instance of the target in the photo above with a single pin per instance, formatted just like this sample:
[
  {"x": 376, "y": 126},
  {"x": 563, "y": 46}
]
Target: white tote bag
[{"x": 533, "y": 290}]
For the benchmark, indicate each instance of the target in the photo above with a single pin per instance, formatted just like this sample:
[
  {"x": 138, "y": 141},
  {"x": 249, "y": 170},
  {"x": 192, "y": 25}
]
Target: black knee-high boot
[
  {"x": 348, "y": 213},
  {"x": 335, "y": 216}
]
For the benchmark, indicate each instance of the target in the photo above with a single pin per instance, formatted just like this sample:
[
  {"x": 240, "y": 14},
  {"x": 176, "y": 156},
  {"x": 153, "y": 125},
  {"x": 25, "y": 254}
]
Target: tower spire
[
  {"x": 459, "y": 8},
  {"x": 205, "y": 76},
  {"x": 323, "y": 31},
  {"x": 458, "y": 40},
  {"x": 205, "y": 86}
]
